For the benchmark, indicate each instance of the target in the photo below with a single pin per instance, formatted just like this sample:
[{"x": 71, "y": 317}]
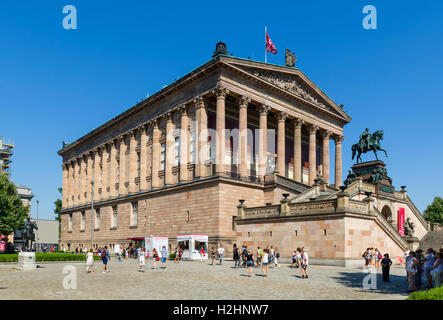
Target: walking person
[
  {"x": 277, "y": 256},
  {"x": 411, "y": 269},
  {"x": 271, "y": 255},
  {"x": 365, "y": 256},
  {"x": 299, "y": 258},
  {"x": 304, "y": 263},
  {"x": 437, "y": 269},
  {"x": 236, "y": 257},
  {"x": 177, "y": 255},
  {"x": 154, "y": 257},
  {"x": 265, "y": 262},
  {"x": 429, "y": 263},
  {"x": 220, "y": 250},
  {"x": 249, "y": 263},
  {"x": 386, "y": 264},
  {"x": 202, "y": 254},
  {"x": 105, "y": 257},
  {"x": 420, "y": 268},
  {"x": 164, "y": 253},
  {"x": 90, "y": 261},
  {"x": 378, "y": 258},
  {"x": 141, "y": 260},
  {"x": 258, "y": 256},
  {"x": 213, "y": 255}
]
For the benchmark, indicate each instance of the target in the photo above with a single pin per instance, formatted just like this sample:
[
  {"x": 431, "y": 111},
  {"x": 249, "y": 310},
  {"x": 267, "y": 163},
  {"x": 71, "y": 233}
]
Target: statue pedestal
[
  {"x": 413, "y": 242},
  {"x": 366, "y": 170},
  {"x": 26, "y": 261}
]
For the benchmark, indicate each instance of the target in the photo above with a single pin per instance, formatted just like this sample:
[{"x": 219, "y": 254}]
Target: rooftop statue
[
  {"x": 367, "y": 143},
  {"x": 290, "y": 58},
  {"x": 409, "y": 227}
]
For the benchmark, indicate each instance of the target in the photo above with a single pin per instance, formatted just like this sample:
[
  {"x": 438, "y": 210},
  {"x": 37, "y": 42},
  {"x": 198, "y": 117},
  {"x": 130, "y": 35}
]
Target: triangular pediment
[{"x": 293, "y": 81}]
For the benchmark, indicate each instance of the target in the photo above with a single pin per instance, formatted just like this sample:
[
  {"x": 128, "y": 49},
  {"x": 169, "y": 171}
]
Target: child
[
  {"x": 141, "y": 260},
  {"x": 385, "y": 265},
  {"x": 304, "y": 263}
]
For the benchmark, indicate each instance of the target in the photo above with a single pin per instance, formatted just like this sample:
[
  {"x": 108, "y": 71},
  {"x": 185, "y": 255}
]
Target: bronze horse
[{"x": 373, "y": 145}]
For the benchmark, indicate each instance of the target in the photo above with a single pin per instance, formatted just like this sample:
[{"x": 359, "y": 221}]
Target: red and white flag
[{"x": 269, "y": 45}]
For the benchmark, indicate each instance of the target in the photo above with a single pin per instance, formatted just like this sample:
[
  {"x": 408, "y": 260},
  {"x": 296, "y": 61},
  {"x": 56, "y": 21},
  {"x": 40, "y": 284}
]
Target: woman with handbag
[{"x": 155, "y": 257}]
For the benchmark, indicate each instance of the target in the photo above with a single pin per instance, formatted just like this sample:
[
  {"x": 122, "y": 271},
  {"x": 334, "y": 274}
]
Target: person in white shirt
[
  {"x": 411, "y": 269},
  {"x": 265, "y": 262},
  {"x": 437, "y": 269},
  {"x": 220, "y": 251},
  {"x": 304, "y": 263},
  {"x": 90, "y": 261},
  {"x": 429, "y": 263},
  {"x": 141, "y": 260}
]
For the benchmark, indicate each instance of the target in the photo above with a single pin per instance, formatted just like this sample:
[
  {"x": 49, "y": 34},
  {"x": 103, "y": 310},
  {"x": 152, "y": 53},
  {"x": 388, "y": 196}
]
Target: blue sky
[{"x": 58, "y": 84}]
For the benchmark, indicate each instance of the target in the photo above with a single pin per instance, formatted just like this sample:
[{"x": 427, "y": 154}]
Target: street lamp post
[
  {"x": 36, "y": 240},
  {"x": 92, "y": 215}
]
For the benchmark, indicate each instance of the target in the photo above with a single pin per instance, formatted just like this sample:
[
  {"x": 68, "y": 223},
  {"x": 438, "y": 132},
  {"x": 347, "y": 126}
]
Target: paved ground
[{"x": 195, "y": 280}]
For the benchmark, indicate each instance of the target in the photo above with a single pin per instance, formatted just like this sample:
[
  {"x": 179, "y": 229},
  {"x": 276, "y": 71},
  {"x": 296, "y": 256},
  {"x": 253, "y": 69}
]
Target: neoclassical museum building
[{"x": 180, "y": 161}]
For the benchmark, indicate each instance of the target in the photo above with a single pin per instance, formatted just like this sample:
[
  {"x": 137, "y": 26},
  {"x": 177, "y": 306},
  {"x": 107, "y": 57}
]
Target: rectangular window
[
  {"x": 192, "y": 147},
  {"x": 177, "y": 151},
  {"x": 114, "y": 217},
  {"x": 134, "y": 213},
  {"x": 162, "y": 156},
  {"x": 83, "y": 221},
  {"x": 70, "y": 222},
  {"x": 97, "y": 218}
]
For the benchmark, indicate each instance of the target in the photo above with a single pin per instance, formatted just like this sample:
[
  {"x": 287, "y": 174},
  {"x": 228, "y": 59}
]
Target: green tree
[
  {"x": 58, "y": 206},
  {"x": 434, "y": 212},
  {"x": 12, "y": 211}
]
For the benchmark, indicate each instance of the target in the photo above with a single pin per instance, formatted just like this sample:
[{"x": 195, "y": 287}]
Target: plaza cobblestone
[{"x": 196, "y": 280}]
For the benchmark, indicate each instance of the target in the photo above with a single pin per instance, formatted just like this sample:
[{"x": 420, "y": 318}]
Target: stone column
[
  {"x": 338, "y": 170},
  {"x": 325, "y": 151},
  {"x": 113, "y": 170},
  {"x": 243, "y": 135},
  {"x": 155, "y": 155},
  {"x": 297, "y": 172},
  {"x": 281, "y": 143},
  {"x": 89, "y": 176},
  {"x": 184, "y": 144},
  {"x": 105, "y": 172},
  {"x": 132, "y": 161},
  {"x": 143, "y": 158},
  {"x": 96, "y": 174},
  {"x": 263, "y": 139},
  {"x": 77, "y": 181},
  {"x": 312, "y": 153},
  {"x": 121, "y": 183},
  {"x": 201, "y": 137},
  {"x": 220, "y": 94},
  {"x": 169, "y": 161},
  {"x": 71, "y": 183},
  {"x": 65, "y": 191},
  {"x": 82, "y": 179}
]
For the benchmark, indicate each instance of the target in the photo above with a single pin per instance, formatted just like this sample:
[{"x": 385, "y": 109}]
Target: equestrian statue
[{"x": 368, "y": 143}]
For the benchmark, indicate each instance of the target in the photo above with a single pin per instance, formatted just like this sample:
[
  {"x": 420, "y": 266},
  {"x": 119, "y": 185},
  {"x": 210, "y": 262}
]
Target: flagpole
[{"x": 266, "y": 51}]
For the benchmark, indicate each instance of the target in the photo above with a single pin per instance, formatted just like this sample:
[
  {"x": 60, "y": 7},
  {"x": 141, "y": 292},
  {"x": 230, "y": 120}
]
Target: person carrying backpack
[{"x": 105, "y": 257}]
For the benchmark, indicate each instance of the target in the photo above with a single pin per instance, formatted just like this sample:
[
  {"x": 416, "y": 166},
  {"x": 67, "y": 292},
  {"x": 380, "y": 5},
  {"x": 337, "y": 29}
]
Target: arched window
[{"x": 386, "y": 212}]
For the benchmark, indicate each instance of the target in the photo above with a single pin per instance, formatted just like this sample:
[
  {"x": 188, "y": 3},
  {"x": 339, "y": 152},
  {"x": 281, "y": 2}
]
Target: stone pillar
[
  {"x": 263, "y": 139},
  {"x": 105, "y": 170},
  {"x": 70, "y": 183},
  {"x": 184, "y": 144},
  {"x": 220, "y": 94},
  {"x": 281, "y": 143},
  {"x": 143, "y": 158},
  {"x": 121, "y": 183},
  {"x": 201, "y": 137},
  {"x": 169, "y": 161},
  {"x": 113, "y": 170},
  {"x": 77, "y": 182},
  {"x": 89, "y": 176},
  {"x": 312, "y": 154},
  {"x": 155, "y": 183},
  {"x": 132, "y": 161},
  {"x": 338, "y": 170},
  {"x": 65, "y": 171},
  {"x": 243, "y": 135},
  {"x": 96, "y": 174},
  {"x": 83, "y": 182},
  {"x": 325, "y": 151},
  {"x": 297, "y": 172}
]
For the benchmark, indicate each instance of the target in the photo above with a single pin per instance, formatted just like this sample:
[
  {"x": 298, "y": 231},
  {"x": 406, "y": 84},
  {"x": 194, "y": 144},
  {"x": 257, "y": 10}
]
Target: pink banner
[{"x": 401, "y": 221}]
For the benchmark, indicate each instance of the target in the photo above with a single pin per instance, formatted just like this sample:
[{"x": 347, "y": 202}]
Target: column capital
[
  {"x": 183, "y": 109},
  {"x": 243, "y": 101},
  {"x": 313, "y": 128},
  {"x": 298, "y": 122},
  {"x": 167, "y": 116},
  {"x": 339, "y": 139},
  {"x": 154, "y": 123},
  {"x": 199, "y": 102},
  {"x": 326, "y": 134},
  {"x": 121, "y": 137},
  {"x": 282, "y": 116},
  {"x": 141, "y": 129},
  {"x": 220, "y": 92},
  {"x": 133, "y": 133},
  {"x": 264, "y": 108}
]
